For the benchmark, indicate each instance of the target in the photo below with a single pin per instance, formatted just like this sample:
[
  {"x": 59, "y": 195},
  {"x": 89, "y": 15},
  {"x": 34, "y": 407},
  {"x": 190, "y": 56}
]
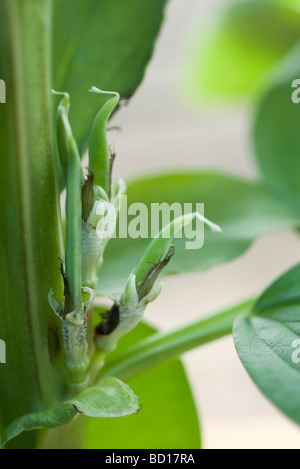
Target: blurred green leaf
[
  {"x": 268, "y": 343},
  {"x": 168, "y": 418},
  {"x": 250, "y": 37},
  {"x": 101, "y": 43},
  {"x": 276, "y": 132},
  {"x": 294, "y": 4},
  {"x": 243, "y": 209}
]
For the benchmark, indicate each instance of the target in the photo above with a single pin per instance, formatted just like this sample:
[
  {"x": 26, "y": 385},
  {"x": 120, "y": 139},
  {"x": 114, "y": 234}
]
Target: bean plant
[{"x": 78, "y": 371}]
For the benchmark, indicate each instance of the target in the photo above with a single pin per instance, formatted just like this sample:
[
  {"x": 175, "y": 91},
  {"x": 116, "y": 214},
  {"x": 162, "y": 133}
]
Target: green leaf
[
  {"x": 267, "y": 342},
  {"x": 104, "y": 43},
  {"x": 168, "y": 418},
  {"x": 294, "y": 4},
  {"x": 276, "y": 132},
  {"x": 244, "y": 210},
  {"x": 111, "y": 398},
  {"x": 50, "y": 419},
  {"x": 250, "y": 37}
]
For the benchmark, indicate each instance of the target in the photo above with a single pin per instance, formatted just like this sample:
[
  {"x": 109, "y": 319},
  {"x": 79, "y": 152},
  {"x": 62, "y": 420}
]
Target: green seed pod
[
  {"x": 87, "y": 196},
  {"x": 71, "y": 164},
  {"x": 99, "y": 154},
  {"x": 73, "y": 311},
  {"x": 62, "y": 131},
  {"x": 143, "y": 286},
  {"x": 160, "y": 245},
  {"x": 126, "y": 314}
]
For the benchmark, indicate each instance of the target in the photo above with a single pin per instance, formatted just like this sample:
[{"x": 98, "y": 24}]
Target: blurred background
[{"x": 163, "y": 128}]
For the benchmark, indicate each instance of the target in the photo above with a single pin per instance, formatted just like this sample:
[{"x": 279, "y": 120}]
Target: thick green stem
[
  {"x": 33, "y": 377},
  {"x": 163, "y": 347}
]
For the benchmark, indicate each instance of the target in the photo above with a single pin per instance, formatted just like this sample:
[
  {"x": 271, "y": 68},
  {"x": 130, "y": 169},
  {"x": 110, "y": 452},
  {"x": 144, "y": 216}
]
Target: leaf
[
  {"x": 276, "y": 132},
  {"x": 104, "y": 43},
  {"x": 168, "y": 418},
  {"x": 50, "y": 419},
  {"x": 250, "y": 38},
  {"x": 111, "y": 398},
  {"x": 294, "y": 4},
  {"x": 244, "y": 210},
  {"x": 267, "y": 341}
]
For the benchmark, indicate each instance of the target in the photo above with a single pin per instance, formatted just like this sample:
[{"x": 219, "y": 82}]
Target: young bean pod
[
  {"x": 73, "y": 311},
  {"x": 99, "y": 154},
  {"x": 144, "y": 284},
  {"x": 71, "y": 165},
  {"x": 160, "y": 245}
]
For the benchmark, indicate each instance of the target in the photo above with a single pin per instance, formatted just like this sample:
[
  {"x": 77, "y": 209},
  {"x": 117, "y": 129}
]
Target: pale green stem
[{"x": 163, "y": 347}]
